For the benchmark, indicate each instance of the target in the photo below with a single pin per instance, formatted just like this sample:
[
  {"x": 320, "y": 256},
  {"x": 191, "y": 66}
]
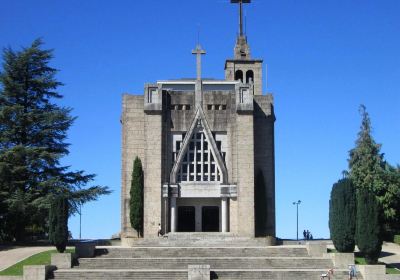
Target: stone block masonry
[
  {"x": 132, "y": 120},
  {"x": 61, "y": 261},
  {"x": 152, "y": 174},
  {"x": 198, "y": 272},
  {"x": 245, "y": 176},
  {"x": 37, "y": 272},
  {"x": 264, "y": 160}
]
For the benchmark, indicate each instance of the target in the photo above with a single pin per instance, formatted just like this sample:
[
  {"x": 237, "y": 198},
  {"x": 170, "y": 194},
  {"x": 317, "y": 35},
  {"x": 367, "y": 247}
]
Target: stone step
[
  {"x": 202, "y": 235},
  {"x": 222, "y": 274},
  {"x": 119, "y": 274},
  {"x": 221, "y": 263},
  {"x": 200, "y": 240},
  {"x": 276, "y": 274},
  {"x": 181, "y": 252}
]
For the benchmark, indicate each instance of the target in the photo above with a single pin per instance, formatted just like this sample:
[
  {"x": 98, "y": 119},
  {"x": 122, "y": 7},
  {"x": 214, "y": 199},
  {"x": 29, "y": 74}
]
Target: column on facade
[
  {"x": 198, "y": 219},
  {"x": 224, "y": 214},
  {"x": 174, "y": 218}
]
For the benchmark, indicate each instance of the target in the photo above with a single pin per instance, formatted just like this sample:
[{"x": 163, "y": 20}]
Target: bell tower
[{"x": 242, "y": 67}]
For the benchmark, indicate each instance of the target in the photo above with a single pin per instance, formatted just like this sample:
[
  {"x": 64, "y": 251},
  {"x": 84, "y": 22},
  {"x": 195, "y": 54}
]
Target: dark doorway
[
  {"x": 186, "y": 219},
  {"x": 210, "y": 218}
]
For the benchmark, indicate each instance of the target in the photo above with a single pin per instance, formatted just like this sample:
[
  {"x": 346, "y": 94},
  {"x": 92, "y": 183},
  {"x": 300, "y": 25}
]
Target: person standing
[
  {"x": 352, "y": 272},
  {"x": 159, "y": 230}
]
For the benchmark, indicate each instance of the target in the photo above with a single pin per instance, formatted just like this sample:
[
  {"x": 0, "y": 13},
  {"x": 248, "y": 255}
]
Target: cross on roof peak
[
  {"x": 240, "y": 2},
  {"x": 198, "y": 52}
]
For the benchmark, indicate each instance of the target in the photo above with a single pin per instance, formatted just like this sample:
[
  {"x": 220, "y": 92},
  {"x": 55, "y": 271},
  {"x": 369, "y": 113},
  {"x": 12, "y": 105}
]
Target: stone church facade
[{"x": 207, "y": 150}]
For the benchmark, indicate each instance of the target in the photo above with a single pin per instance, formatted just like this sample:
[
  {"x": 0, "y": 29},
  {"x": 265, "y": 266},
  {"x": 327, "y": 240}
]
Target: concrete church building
[{"x": 207, "y": 149}]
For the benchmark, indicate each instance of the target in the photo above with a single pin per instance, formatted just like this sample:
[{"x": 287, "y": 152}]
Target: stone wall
[
  {"x": 180, "y": 119},
  {"x": 245, "y": 176},
  {"x": 250, "y": 140},
  {"x": 132, "y": 121},
  {"x": 264, "y": 160},
  {"x": 152, "y": 174}
]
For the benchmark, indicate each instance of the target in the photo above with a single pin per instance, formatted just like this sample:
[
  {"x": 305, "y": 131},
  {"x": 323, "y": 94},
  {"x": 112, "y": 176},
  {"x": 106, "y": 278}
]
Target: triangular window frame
[{"x": 199, "y": 116}]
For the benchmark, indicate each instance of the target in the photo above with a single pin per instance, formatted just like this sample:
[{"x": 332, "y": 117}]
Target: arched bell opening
[
  {"x": 249, "y": 76},
  {"x": 239, "y": 75}
]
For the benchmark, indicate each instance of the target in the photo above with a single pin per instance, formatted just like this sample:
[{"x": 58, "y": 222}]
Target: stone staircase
[
  {"x": 170, "y": 252},
  {"x": 215, "y": 263},
  {"x": 228, "y": 259}
]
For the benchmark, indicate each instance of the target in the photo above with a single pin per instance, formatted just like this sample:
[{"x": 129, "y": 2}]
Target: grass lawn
[
  {"x": 42, "y": 258},
  {"x": 392, "y": 270},
  {"x": 389, "y": 269}
]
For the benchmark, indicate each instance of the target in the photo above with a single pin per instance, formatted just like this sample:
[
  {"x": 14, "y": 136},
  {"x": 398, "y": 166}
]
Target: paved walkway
[
  {"x": 12, "y": 255},
  {"x": 390, "y": 254}
]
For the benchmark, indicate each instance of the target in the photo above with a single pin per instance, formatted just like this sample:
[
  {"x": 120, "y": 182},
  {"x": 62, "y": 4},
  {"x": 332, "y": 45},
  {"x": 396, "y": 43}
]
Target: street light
[
  {"x": 297, "y": 216},
  {"x": 80, "y": 221}
]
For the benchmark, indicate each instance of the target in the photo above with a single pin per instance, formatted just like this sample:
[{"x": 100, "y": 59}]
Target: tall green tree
[
  {"x": 368, "y": 229},
  {"x": 366, "y": 161},
  {"x": 58, "y": 222},
  {"x": 342, "y": 215},
  {"x": 33, "y": 130},
  {"x": 368, "y": 170},
  {"x": 391, "y": 200},
  {"x": 136, "y": 195}
]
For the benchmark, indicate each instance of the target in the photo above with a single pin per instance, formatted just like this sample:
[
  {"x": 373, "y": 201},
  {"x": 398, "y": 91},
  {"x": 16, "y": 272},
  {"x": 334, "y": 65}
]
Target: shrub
[
  {"x": 368, "y": 229},
  {"x": 397, "y": 239},
  {"x": 342, "y": 215}
]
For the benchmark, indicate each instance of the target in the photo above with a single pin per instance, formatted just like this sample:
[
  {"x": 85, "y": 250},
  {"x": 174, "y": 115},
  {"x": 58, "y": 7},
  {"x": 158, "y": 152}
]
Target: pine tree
[
  {"x": 33, "y": 130},
  {"x": 342, "y": 215},
  {"x": 368, "y": 170},
  {"x": 368, "y": 229},
  {"x": 58, "y": 223},
  {"x": 136, "y": 194},
  {"x": 366, "y": 162}
]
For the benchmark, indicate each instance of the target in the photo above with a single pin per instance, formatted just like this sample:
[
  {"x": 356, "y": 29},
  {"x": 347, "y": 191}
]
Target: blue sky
[{"x": 324, "y": 59}]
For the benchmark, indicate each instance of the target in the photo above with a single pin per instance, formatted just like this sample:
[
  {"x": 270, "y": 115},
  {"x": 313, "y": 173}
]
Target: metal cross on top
[
  {"x": 240, "y": 13},
  {"x": 198, "y": 52}
]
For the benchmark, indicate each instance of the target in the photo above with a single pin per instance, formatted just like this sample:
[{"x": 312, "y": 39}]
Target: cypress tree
[
  {"x": 136, "y": 195},
  {"x": 58, "y": 223},
  {"x": 368, "y": 229},
  {"x": 33, "y": 130},
  {"x": 342, "y": 215}
]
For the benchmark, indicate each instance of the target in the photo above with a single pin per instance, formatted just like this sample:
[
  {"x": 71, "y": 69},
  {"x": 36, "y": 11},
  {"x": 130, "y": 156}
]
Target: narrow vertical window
[
  {"x": 151, "y": 94},
  {"x": 242, "y": 94}
]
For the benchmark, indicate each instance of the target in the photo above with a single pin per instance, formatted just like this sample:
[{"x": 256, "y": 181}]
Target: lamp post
[
  {"x": 297, "y": 217},
  {"x": 80, "y": 221}
]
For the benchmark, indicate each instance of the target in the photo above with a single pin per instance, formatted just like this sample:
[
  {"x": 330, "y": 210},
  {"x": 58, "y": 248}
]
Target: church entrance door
[
  {"x": 186, "y": 219},
  {"x": 210, "y": 218}
]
